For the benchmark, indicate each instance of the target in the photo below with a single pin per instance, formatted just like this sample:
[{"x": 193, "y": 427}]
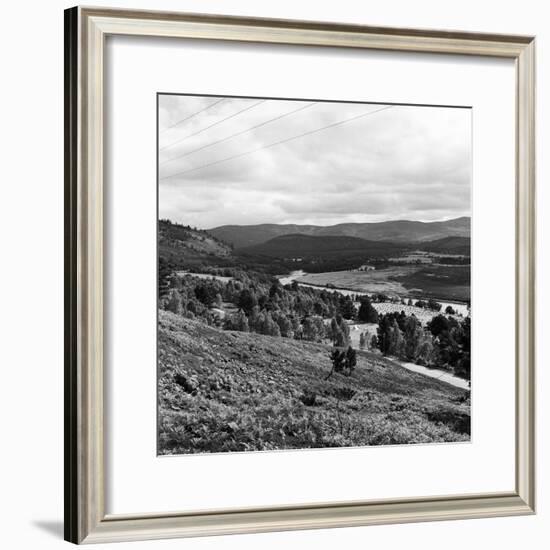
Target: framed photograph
[{"x": 299, "y": 275}]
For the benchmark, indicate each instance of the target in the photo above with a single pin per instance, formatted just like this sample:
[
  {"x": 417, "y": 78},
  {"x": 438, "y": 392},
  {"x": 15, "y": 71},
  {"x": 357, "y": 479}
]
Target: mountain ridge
[
  {"x": 300, "y": 245},
  {"x": 401, "y": 231}
]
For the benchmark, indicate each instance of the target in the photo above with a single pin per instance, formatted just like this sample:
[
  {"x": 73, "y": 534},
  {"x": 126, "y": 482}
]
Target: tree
[
  {"x": 247, "y": 300},
  {"x": 367, "y": 313},
  {"x": 269, "y": 326},
  {"x": 350, "y": 361},
  {"x": 332, "y": 329},
  {"x": 313, "y": 329},
  {"x": 173, "y": 303},
  {"x": 165, "y": 273},
  {"x": 433, "y": 305},
  {"x": 347, "y": 308},
  {"x": 238, "y": 321},
  {"x": 276, "y": 289},
  {"x": 462, "y": 336},
  {"x": 342, "y": 335},
  {"x": 396, "y": 341},
  {"x": 343, "y": 360},
  {"x": 383, "y": 333},
  {"x": 438, "y": 325},
  {"x": 374, "y": 342},
  {"x": 449, "y": 310},
  {"x": 413, "y": 334},
  {"x": 284, "y": 323},
  {"x": 320, "y": 308},
  {"x": 338, "y": 331},
  {"x": 462, "y": 368},
  {"x": 192, "y": 306},
  {"x": 206, "y": 294},
  {"x": 338, "y": 358},
  {"x": 425, "y": 351}
]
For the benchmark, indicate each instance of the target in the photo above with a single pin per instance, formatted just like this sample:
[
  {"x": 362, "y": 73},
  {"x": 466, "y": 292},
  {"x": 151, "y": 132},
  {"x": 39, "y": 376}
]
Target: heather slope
[{"x": 233, "y": 391}]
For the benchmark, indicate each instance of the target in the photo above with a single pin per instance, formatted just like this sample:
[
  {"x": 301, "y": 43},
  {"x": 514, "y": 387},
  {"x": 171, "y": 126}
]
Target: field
[
  {"x": 373, "y": 282},
  {"x": 443, "y": 282},
  {"x": 234, "y": 391},
  {"x": 433, "y": 281}
]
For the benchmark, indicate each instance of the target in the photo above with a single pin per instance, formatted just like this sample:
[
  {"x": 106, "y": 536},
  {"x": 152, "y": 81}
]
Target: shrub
[
  {"x": 189, "y": 384},
  {"x": 308, "y": 398}
]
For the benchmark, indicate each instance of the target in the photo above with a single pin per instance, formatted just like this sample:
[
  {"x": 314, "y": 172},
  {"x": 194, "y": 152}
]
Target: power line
[
  {"x": 333, "y": 125},
  {"x": 303, "y": 107},
  {"x": 213, "y": 124},
  {"x": 194, "y": 114}
]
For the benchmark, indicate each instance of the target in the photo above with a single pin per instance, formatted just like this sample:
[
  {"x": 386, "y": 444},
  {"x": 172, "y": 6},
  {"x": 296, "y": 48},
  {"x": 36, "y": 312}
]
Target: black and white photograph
[{"x": 313, "y": 274}]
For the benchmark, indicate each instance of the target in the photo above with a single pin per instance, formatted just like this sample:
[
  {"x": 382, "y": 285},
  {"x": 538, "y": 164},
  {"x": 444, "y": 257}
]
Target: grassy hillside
[
  {"x": 398, "y": 231},
  {"x": 233, "y": 391}
]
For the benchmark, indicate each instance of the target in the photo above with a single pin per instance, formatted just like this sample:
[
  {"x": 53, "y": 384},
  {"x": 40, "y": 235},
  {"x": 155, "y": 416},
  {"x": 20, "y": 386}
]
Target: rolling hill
[
  {"x": 306, "y": 246},
  {"x": 185, "y": 247},
  {"x": 448, "y": 245},
  {"x": 402, "y": 231}
]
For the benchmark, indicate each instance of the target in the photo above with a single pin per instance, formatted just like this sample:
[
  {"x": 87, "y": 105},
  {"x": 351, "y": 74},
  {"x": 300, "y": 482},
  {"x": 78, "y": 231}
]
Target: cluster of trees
[
  {"x": 403, "y": 336},
  {"x": 343, "y": 360},
  {"x": 445, "y": 342},
  {"x": 367, "y": 342},
  {"x": 453, "y": 260},
  {"x": 452, "y": 343},
  {"x": 264, "y": 307},
  {"x": 338, "y": 331},
  {"x": 428, "y": 304}
]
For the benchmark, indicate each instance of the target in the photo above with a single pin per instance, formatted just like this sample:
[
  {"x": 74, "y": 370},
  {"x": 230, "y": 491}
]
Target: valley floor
[
  {"x": 233, "y": 391},
  {"x": 442, "y": 283}
]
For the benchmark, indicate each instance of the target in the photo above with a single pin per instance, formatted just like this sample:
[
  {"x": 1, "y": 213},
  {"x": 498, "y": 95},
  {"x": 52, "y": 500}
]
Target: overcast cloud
[{"x": 392, "y": 162}]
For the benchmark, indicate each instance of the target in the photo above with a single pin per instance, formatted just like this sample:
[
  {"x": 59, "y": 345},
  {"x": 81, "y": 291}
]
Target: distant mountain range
[
  {"x": 305, "y": 246},
  {"x": 399, "y": 231}
]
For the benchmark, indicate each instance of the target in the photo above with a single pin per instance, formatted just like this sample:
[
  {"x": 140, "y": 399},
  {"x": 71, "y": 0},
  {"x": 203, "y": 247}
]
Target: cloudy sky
[{"x": 249, "y": 161}]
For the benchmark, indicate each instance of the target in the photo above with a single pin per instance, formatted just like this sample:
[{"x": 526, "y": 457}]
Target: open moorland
[{"x": 233, "y": 391}]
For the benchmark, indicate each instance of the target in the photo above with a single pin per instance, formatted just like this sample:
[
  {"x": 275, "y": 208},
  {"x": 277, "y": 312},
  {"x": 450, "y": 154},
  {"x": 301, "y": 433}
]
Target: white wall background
[{"x": 31, "y": 291}]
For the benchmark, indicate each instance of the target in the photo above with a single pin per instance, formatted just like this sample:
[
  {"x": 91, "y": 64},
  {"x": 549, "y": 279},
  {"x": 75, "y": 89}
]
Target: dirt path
[{"x": 442, "y": 375}]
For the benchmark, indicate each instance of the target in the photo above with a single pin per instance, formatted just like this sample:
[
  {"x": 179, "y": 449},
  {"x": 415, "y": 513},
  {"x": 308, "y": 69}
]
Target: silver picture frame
[{"x": 85, "y": 517}]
